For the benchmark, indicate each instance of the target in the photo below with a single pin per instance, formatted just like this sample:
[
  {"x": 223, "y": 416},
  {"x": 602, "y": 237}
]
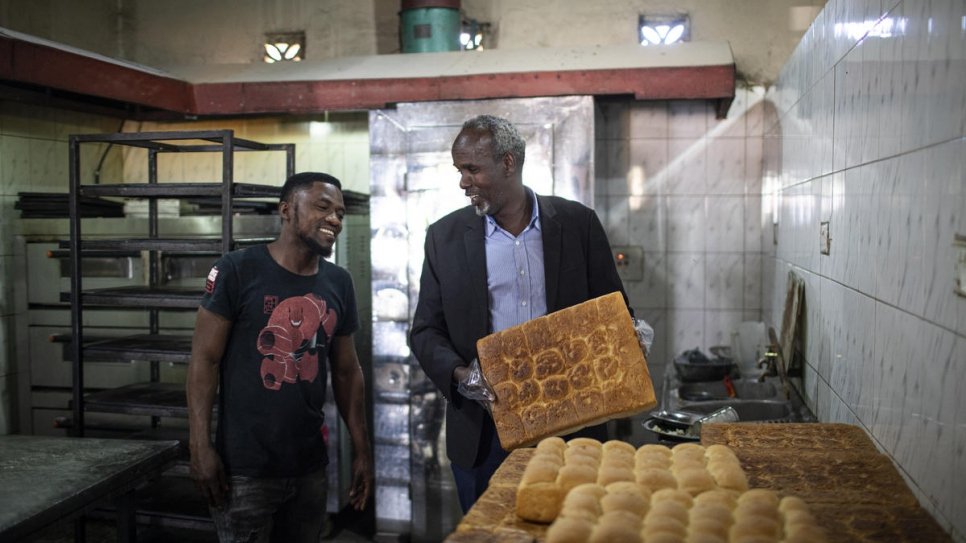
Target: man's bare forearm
[
  {"x": 202, "y": 388},
  {"x": 350, "y": 397}
]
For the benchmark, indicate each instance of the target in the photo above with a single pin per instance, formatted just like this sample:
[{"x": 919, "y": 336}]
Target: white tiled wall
[
  {"x": 869, "y": 135},
  {"x": 33, "y": 157},
  {"x": 686, "y": 188},
  {"x": 337, "y": 144}
]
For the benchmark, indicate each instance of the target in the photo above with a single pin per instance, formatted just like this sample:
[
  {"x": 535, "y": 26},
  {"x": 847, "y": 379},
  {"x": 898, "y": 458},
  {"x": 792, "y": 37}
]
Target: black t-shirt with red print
[{"x": 273, "y": 372}]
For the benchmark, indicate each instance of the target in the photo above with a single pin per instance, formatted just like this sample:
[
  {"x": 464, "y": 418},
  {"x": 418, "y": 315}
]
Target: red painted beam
[
  {"x": 702, "y": 82},
  {"x": 37, "y": 64}
]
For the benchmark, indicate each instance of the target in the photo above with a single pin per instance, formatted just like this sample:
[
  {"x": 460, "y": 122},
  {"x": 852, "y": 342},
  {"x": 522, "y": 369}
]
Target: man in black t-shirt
[{"x": 271, "y": 318}]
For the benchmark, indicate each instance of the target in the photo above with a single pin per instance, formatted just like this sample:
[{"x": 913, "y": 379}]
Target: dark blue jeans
[
  {"x": 262, "y": 510},
  {"x": 472, "y": 482}
]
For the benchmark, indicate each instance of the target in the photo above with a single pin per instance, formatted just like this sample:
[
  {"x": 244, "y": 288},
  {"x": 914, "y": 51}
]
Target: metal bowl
[
  {"x": 714, "y": 369},
  {"x": 669, "y": 432}
]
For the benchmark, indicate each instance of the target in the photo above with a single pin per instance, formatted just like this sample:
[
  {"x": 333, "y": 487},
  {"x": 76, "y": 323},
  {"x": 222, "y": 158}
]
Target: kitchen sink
[
  {"x": 748, "y": 410},
  {"x": 745, "y": 389},
  {"x": 682, "y": 404}
]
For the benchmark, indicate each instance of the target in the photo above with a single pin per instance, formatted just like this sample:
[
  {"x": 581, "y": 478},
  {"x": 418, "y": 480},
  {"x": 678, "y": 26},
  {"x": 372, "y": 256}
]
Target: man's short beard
[
  {"x": 482, "y": 210},
  {"x": 316, "y": 248},
  {"x": 325, "y": 252}
]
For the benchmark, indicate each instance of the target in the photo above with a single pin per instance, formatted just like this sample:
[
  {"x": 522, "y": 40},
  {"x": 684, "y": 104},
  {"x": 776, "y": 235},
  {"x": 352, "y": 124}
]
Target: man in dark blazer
[{"x": 476, "y": 280}]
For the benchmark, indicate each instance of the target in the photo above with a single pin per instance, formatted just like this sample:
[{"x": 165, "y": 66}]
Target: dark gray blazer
[{"x": 453, "y": 307}]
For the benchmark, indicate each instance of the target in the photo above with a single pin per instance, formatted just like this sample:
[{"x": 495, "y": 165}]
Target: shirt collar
[{"x": 491, "y": 226}]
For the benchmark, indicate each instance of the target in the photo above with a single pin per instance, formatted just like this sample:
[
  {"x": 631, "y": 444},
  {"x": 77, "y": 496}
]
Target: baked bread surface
[{"x": 572, "y": 368}]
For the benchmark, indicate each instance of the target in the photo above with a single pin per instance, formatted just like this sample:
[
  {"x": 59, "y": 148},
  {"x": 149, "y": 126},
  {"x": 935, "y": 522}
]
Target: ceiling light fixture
[
  {"x": 284, "y": 47},
  {"x": 664, "y": 29},
  {"x": 473, "y": 35}
]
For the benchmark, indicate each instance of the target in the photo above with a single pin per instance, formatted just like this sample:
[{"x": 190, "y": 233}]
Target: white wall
[
  {"x": 232, "y": 31},
  {"x": 869, "y": 136},
  {"x": 92, "y": 24},
  {"x": 686, "y": 188},
  {"x": 33, "y": 158},
  {"x": 762, "y": 33}
]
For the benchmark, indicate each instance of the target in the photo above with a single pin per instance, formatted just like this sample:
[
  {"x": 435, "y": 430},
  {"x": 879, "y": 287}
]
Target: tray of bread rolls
[
  {"x": 572, "y": 368},
  {"x": 533, "y": 498},
  {"x": 587, "y": 491}
]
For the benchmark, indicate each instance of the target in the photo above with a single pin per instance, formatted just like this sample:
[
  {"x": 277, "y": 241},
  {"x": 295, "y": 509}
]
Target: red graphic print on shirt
[
  {"x": 289, "y": 342},
  {"x": 210, "y": 280}
]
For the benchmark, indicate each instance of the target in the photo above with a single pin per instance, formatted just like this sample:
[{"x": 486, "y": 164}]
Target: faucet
[
  {"x": 772, "y": 364},
  {"x": 768, "y": 363}
]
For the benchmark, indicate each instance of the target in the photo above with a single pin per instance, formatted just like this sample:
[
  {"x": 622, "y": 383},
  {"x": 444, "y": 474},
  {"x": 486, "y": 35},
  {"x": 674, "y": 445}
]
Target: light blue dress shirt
[{"x": 514, "y": 272}]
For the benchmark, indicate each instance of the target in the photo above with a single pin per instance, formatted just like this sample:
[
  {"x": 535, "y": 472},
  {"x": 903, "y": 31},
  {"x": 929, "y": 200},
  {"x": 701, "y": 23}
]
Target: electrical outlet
[
  {"x": 825, "y": 241},
  {"x": 630, "y": 262}
]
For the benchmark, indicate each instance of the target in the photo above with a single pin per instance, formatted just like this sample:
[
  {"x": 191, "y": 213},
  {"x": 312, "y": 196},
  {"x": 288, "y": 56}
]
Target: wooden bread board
[
  {"x": 857, "y": 495},
  {"x": 796, "y": 436},
  {"x": 854, "y": 491}
]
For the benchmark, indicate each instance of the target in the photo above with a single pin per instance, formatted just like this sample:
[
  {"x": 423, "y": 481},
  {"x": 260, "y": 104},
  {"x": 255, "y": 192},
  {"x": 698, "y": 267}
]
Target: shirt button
[
  {"x": 522, "y": 272},
  {"x": 523, "y": 303},
  {"x": 517, "y": 242}
]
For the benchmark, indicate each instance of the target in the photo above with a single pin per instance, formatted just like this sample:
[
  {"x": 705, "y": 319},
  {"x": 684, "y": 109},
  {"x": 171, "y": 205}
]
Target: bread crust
[{"x": 572, "y": 368}]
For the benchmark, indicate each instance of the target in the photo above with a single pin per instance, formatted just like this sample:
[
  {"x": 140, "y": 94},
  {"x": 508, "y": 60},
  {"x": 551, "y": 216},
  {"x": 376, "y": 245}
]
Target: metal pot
[{"x": 708, "y": 369}]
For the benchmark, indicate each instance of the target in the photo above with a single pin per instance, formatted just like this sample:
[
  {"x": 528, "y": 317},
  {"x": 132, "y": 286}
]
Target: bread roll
[
  {"x": 611, "y": 474},
  {"x": 709, "y": 526},
  {"x": 573, "y": 475},
  {"x": 572, "y": 368},
  {"x": 687, "y": 455},
  {"x": 654, "y": 524},
  {"x": 628, "y": 487},
  {"x": 676, "y": 495},
  {"x": 539, "y": 502},
  {"x": 613, "y": 532},
  {"x": 723, "y": 497},
  {"x": 655, "y": 479},
  {"x": 695, "y": 481},
  {"x": 569, "y": 530},
  {"x": 718, "y": 451},
  {"x": 579, "y": 505},
  {"x": 581, "y": 459},
  {"x": 662, "y": 537},
  {"x": 636, "y": 504},
  {"x": 705, "y": 537},
  {"x": 792, "y": 503},
  {"x": 552, "y": 444},
  {"x": 715, "y": 512},
  {"x": 729, "y": 476},
  {"x": 593, "y": 489},
  {"x": 539, "y": 472},
  {"x": 583, "y": 449},
  {"x": 668, "y": 509},
  {"x": 759, "y": 494},
  {"x": 615, "y": 445},
  {"x": 748, "y": 526},
  {"x": 644, "y": 461}
]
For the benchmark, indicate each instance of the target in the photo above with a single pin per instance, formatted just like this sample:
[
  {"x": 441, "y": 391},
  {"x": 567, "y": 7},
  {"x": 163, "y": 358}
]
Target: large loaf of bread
[{"x": 569, "y": 369}]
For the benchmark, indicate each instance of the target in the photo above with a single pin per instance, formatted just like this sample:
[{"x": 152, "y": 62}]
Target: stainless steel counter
[{"x": 47, "y": 479}]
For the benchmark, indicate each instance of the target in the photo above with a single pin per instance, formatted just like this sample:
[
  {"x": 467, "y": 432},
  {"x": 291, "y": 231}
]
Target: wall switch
[
  {"x": 959, "y": 276},
  {"x": 825, "y": 241},
  {"x": 630, "y": 262}
]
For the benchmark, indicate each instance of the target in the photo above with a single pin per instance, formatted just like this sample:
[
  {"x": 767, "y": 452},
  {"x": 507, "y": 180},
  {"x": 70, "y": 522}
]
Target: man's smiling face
[
  {"x": 317, "y": 213},
  {"x": 484, "y": 178}
]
